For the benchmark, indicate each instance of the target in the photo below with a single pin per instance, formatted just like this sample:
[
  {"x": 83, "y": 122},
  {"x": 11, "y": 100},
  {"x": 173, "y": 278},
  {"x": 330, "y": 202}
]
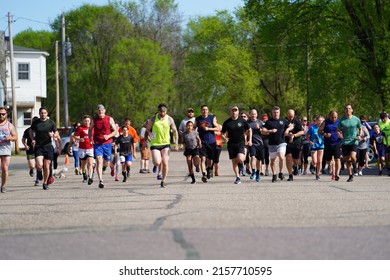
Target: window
[
  {"x": 23, "y": 71},
  {"x": 27, "y": 118}
]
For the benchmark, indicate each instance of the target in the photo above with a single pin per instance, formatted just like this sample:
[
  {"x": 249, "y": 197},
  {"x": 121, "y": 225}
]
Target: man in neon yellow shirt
[
  {"x": 159, "y": 129},
  {"x": 384, "y": 125}
]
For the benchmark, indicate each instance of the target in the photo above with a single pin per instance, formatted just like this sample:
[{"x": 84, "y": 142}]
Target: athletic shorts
[
  {"x": 191, "y": 152},
  {"x": 332, "y": 151},
  {"x": 47, "y": 151},
  {"x": 208, "y": 150},
  {"x": 257, "y": 152},
  {"x": 145, "y": 153},
  {"x": 347, "y": 149},
  {"x": 234, "y": 151},
  {"x": 381, "y": 151},
  {"x": 294, "y": 150},
  {"x": 274, "y": 150},
  {"x": 85, "y": 153},
  {"x": 103, "y": 150},
  {"x": 160, "y": 148},
  {"x": 128, "y": 158}
]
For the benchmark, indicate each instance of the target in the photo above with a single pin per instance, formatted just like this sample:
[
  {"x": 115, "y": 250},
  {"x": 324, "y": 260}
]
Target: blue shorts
[
  {"x": 128, "y": 158},
  {"x": 103, "y": 150}
]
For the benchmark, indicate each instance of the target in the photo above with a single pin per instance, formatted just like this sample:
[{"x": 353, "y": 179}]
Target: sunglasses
[
  {"x": 3, "y": 114},
  {"x": 190, "y": 111},
  {"x": 304, "y": 120}
]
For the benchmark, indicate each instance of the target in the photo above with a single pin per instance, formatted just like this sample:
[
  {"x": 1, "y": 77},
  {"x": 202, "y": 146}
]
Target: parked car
[{"x": 66, "y": 149}]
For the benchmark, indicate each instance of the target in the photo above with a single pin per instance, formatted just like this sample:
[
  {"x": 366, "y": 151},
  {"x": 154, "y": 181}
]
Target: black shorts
[
  {"x": 160, "y": 148},
  {"x": 332, "y": 151},
  {"x": 208, "y": 150},
  {"x": 191, "y": 152},
  {"x": 347, "y": 149},
  {"x": 47, "y": 151},
  {"x": 257, "y": 152},
  {"x": 294, "y": 150},
  {"x": 234, "y": 151}
]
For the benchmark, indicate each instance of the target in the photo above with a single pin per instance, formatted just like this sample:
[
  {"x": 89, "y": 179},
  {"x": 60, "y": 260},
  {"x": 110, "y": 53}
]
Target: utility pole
[
  {"x": 11, "y": 62},
  {"x": 57, "y": 90},
  {"x": 64, "y": 73}
]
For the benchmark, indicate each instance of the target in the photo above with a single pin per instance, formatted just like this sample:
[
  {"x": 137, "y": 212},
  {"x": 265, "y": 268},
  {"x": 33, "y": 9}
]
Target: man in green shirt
[
  {"x": 349, "y": 130},
  {"x": 384, "y": 125}
]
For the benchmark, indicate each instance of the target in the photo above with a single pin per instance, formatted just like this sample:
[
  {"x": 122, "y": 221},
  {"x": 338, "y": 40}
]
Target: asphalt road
[{"x": 304, "y": 219}]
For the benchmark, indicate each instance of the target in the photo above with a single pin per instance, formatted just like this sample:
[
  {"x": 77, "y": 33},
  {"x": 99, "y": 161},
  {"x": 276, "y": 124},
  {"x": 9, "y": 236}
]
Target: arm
[
  {"x": 114, "y": 131},
  {"x": 13, "y": 135},
  {"x": 175, "y": 133}
]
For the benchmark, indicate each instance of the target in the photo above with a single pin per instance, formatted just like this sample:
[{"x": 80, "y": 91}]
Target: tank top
[
  {"x": 101, "y": 126},
  {"x": 160, "y": 132},
  {"x": 5, "y": 145}
]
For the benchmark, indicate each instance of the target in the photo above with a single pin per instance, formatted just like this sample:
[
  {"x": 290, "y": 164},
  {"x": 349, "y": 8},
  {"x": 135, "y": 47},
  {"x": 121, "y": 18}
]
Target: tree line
[{"x": 312, "y": 56}]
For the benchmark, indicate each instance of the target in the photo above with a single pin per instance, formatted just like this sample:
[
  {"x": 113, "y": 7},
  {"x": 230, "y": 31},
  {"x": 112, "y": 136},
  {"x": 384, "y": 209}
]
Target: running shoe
[
  {"x": 248, "y": 171},
  {"x": 85, "y": 177},
  {"x": 274, "y": 178},
  {"x": 204, "y": 179},
  {"x": 159, "y": 177},
  {"x": 40, "y": 176},
  {"x": 162, "y": 184},
  {"x": 31, "y": 172},
  {"x": 295, "y": 172},
  {"x": 90, "y": 181},
  {"x": 317, "y": 177},
  {"x": 50, "y": 181},
  {"x": 266, "y": 172},
  {"x": 101, "y": 184},
  {"x": 3, "y": 190},
  {"x": 336, "y": 178},
  {"x": 333, "y": 177},
  {"x": 237, "y": 181},
  {"x": 76, "y": 171},
  {"x": 350, "y": 179},
  {"x": 290, "y": 178},
  {"x": 155, "y": 169},
  {"x": 197, "y": 169},
  {"x": 45, "y": 186},
  {"x": 360, "y": 173},
  {"x": 281, "y": 176},
  {"x": 36, "y": 183},
  {"x": 258, "y": 178},
  {"x": 253, "y": 175}
]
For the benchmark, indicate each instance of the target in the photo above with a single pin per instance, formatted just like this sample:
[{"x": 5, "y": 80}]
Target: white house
[{"x": 30, "y": 85}]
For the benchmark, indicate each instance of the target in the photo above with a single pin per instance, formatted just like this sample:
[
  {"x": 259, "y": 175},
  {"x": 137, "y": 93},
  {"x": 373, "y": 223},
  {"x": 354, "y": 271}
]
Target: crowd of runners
[{"x": 254, "y": 144}]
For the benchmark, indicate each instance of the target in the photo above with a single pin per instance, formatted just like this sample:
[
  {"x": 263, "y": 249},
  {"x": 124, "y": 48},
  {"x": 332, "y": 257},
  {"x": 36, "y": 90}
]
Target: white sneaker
[{"x": 360, "y": 173}]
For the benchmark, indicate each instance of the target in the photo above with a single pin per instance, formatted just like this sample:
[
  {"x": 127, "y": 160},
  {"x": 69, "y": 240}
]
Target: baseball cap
[
  {"x": 234, "y": 108},
  {"x": 190, "y": 110},
  {"x": 100, "y": 107}
]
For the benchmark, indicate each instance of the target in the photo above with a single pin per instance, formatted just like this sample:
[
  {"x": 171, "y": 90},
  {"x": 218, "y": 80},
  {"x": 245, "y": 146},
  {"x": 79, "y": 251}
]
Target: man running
[
  {"x": 350, "y": 131},
  {"x": 7, "y": 135},
  {"x": 102, "y": 130}
]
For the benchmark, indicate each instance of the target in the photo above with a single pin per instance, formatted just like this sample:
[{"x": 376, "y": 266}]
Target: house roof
[{"x": 19, "y": 49}]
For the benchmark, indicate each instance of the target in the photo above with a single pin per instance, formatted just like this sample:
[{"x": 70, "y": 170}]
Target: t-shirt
[
  {"x": 255, "y": 125},
  {"x": 42, "y": 129},
  {"x": 125, "y": 143},
  {"x": 349, "y": 127},
  {"x": 314, "y": 137},
  {"x": 277, "y": 137},
  {"x": 331, "y": 127},
  {"x": 82, "y": 132},
  {"x": 378, "y": 138},
  {"x": 297, "y": 128},
  {"x": 235, "y": 131},
  {"x": 190, "y": 139},
  {"x": 385, "y": 127}
]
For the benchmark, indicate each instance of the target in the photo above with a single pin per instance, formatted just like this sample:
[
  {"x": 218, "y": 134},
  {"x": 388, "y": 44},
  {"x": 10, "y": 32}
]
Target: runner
[
  {"x": 101, "y": 131},
  {"x": 7, "y": 135},
  {"x": 159, "y": 129},
  {"x": 85, "y": 149}
]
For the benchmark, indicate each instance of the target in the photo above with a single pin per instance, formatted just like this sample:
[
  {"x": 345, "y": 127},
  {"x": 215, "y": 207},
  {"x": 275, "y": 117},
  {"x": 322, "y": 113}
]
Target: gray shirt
[{"x": 190, "y": 139}]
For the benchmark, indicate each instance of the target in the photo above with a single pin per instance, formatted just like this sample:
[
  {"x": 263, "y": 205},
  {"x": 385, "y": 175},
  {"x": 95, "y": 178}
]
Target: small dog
[{"x": 59, "y": 173}]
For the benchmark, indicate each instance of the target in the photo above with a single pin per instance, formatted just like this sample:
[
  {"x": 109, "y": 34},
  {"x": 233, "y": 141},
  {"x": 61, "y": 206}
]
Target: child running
[
  {"x": 192, "y": 144},
  {"x": 126, "y": 150},
  {"x": 378, "y": 139}
]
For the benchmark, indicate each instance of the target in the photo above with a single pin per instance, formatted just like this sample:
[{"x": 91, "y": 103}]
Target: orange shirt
[{"x": 132, "y": 132}]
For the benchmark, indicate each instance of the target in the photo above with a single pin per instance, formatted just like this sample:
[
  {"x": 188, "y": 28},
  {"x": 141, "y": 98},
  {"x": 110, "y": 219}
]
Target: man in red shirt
[{"x": 101, "y": 131}]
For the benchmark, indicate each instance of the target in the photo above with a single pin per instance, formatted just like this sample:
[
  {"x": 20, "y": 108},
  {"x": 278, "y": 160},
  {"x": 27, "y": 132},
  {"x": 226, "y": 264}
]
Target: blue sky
[{"x": 37, "y": 14}]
